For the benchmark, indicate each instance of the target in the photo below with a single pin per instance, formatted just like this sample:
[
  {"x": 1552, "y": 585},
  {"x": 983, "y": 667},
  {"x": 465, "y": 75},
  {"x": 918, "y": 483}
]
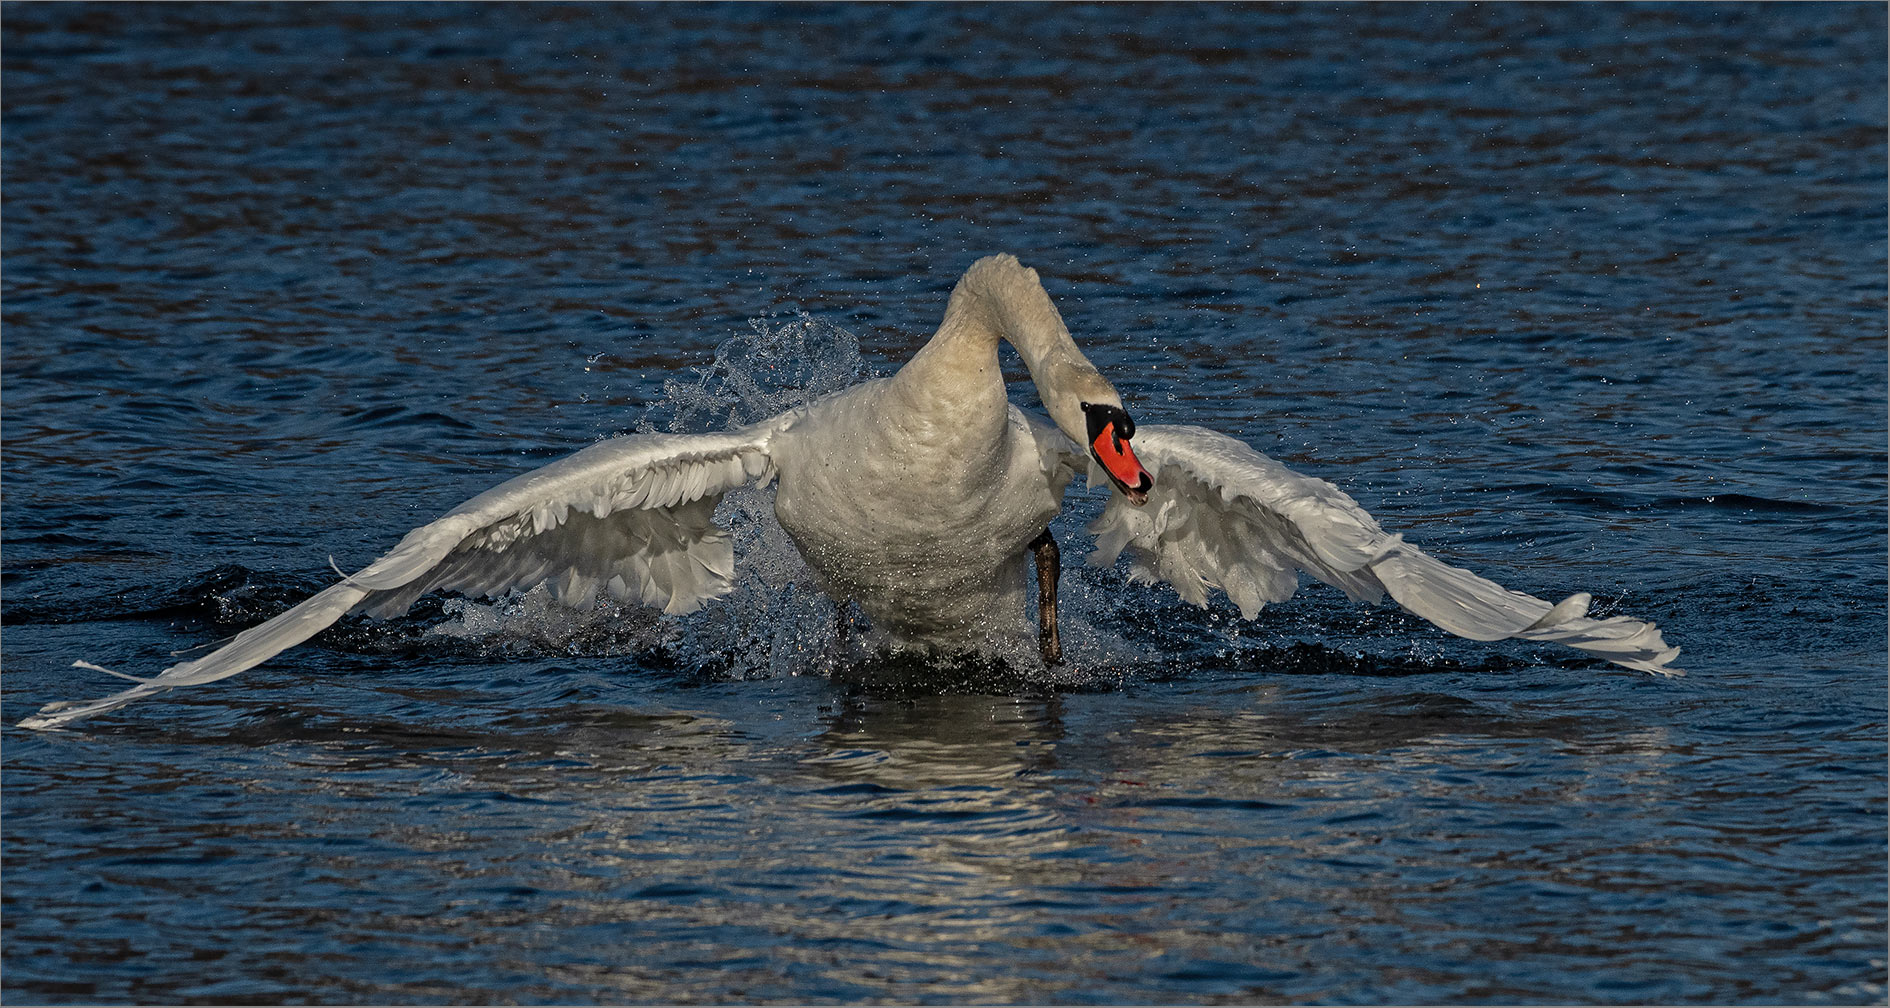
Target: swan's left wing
[
  {"x": 1222, "y": 515},
  {"x": 633, "y": 516}
]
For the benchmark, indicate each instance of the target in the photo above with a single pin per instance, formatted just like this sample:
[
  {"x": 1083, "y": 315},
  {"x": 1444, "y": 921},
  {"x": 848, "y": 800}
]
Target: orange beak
[{"x": 1110, "y": 428}]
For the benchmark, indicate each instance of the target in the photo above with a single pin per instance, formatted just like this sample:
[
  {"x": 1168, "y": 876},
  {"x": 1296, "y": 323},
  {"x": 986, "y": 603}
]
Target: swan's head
[{"x": 1109, "y": 432}]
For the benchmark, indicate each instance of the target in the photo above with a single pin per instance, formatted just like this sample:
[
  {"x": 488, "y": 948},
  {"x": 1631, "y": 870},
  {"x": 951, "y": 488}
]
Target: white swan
[{"x": 919, "y": 497}]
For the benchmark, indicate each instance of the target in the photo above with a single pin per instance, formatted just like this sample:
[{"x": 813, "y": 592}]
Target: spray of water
[
  {"x": 764, "y": 372},
  {"x": 775, "y": 621}
]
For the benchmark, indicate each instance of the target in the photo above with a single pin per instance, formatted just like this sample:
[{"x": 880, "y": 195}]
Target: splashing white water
[
  {"x": 775, "y": 621},
  {"x": 762, "y": 373}
]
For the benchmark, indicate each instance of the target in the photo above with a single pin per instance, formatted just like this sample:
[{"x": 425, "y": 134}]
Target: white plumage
[
  {"x": 632, "y": 515},
  {"x": 1222, "y": 515},
  {"x": 919, "y": 497}
]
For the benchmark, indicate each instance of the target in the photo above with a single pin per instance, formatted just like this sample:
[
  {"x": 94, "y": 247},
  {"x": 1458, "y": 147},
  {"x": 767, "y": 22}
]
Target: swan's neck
[{"x": 1000, "y": 299}]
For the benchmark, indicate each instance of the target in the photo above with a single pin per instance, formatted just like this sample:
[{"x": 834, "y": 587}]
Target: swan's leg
[{"x": 1049, "y": 568}]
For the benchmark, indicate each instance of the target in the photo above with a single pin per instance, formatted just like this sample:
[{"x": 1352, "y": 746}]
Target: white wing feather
[
  {"x": 1222, "y": 515},
  {"x": 633, "y": 516}
]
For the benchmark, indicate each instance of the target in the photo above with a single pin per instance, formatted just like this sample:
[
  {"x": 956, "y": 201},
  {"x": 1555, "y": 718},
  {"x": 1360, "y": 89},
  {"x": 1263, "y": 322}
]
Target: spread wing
[
  {"x": 1222, "y": 515},
  {"x": 632, "y": 516}
]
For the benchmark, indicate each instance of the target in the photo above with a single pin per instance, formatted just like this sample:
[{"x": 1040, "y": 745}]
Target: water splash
[
  {"x": 775, "y": 621},
  {"x": 762, "y": 373}
]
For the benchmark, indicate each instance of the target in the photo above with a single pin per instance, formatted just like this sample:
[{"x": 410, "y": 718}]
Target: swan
[{"x": 925, "y": 498}]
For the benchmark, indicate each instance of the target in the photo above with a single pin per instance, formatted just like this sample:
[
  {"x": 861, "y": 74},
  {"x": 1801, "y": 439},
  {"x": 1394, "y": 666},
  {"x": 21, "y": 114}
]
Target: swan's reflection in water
[
  {"x": 731, "y": 846},
  {"x": 583, "y": 836}
]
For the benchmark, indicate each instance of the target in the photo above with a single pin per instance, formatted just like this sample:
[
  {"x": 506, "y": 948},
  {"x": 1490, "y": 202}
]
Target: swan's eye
[{"x": 1103, "y": 417}]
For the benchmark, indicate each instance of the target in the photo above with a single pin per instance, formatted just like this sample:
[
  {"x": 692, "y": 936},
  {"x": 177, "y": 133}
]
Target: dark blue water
[{"x": 1581, "y": 297}]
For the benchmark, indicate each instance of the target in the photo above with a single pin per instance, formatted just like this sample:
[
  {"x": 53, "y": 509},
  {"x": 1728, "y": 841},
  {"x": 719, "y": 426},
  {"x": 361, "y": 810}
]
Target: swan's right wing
[
  {"x": 632, "y": 516},
  {"x": 1222, "y": 515}
]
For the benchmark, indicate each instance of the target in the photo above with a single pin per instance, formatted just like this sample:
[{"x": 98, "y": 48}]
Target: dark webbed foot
[{"x": 1049, "y": 568}]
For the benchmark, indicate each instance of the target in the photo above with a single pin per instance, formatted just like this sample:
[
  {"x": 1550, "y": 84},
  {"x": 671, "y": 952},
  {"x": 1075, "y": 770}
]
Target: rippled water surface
[{"x": 1583, "y": 297}]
